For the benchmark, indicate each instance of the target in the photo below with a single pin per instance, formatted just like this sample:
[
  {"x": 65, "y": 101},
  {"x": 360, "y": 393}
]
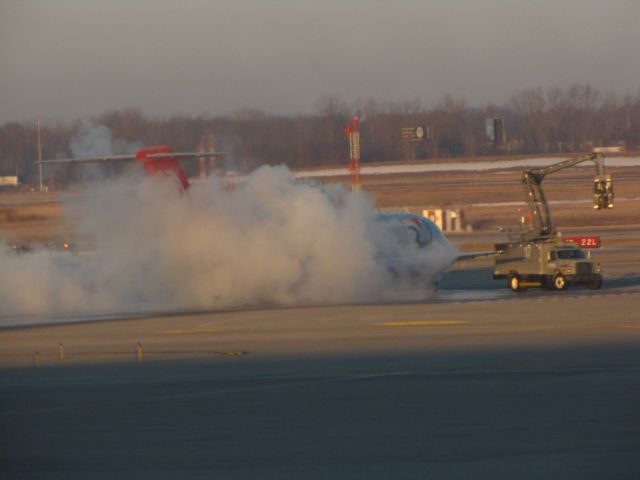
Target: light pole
[{"x": 40, "y": 155}]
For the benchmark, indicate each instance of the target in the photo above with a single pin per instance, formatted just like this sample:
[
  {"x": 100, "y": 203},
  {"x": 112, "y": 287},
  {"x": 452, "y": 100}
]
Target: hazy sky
[{"x": 61, "y": 59}]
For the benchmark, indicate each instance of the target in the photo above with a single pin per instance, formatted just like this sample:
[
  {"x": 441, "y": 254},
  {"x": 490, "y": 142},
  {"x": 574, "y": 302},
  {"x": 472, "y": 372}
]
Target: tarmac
[{"x": 477, "y": 382}]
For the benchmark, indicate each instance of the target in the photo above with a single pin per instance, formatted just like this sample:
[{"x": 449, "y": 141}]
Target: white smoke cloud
[
  {"x": 270, "y": 240},
  {"x": 94, "y": 140}
]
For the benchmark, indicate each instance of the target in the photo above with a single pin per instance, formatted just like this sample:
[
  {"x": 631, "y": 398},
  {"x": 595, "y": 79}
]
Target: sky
[{"x": 65, "y": 59}]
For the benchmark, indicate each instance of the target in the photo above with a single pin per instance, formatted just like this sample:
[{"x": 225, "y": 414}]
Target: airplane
[
  {"x": 413, "y": 248},
  {"x": 419, "y": 249}
]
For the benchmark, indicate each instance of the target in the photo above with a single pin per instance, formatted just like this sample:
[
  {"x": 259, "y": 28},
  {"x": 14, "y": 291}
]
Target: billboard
[{"x": 415, "y": 134}]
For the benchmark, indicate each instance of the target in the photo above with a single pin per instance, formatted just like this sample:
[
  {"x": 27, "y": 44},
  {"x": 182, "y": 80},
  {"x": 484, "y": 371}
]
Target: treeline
[{"x": 536, "y": 121}]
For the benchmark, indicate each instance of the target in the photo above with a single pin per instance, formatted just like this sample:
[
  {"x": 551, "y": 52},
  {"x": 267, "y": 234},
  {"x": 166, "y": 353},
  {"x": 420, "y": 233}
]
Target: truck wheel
[
  {"x": 559, "y": 282},
  {"x": 596, "y": 283},
  {"x": 514, "y": 284}
]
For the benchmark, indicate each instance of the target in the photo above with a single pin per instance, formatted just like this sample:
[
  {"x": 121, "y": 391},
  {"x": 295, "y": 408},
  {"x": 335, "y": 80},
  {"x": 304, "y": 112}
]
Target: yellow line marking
[
  {"x": 186, "y": 331},
  {"x": 424, "y": 323}
]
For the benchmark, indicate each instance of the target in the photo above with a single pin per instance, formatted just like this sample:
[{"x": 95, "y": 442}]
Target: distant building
[
  {"x": 9, "y": 181},
  {"x": 494, "y": 131},
  {"x": 611, "y": 149}
]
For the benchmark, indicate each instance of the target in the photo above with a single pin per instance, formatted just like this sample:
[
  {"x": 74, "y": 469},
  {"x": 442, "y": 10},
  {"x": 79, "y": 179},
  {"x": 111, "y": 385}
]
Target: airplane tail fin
[
  {"x": 154, "y": 162},
  {"x": 161, "y": 159}
]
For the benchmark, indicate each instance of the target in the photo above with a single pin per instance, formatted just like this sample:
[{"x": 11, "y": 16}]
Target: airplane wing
[{"x": 471, "y": 255}]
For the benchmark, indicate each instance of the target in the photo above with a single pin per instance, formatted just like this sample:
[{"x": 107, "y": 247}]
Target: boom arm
[{"x": 543, "y": 226}]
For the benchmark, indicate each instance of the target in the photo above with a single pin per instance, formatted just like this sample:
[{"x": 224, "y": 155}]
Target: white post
[{"x": 40, "y": 155}]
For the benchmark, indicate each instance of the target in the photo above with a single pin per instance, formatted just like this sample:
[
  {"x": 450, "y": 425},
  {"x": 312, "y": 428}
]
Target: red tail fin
[{"x": 162, "y": 164}]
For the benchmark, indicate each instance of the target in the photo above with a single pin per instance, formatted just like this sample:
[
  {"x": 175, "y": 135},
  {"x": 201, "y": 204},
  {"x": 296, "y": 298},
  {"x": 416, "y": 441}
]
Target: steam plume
[{"x": 271, "y": 240}]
